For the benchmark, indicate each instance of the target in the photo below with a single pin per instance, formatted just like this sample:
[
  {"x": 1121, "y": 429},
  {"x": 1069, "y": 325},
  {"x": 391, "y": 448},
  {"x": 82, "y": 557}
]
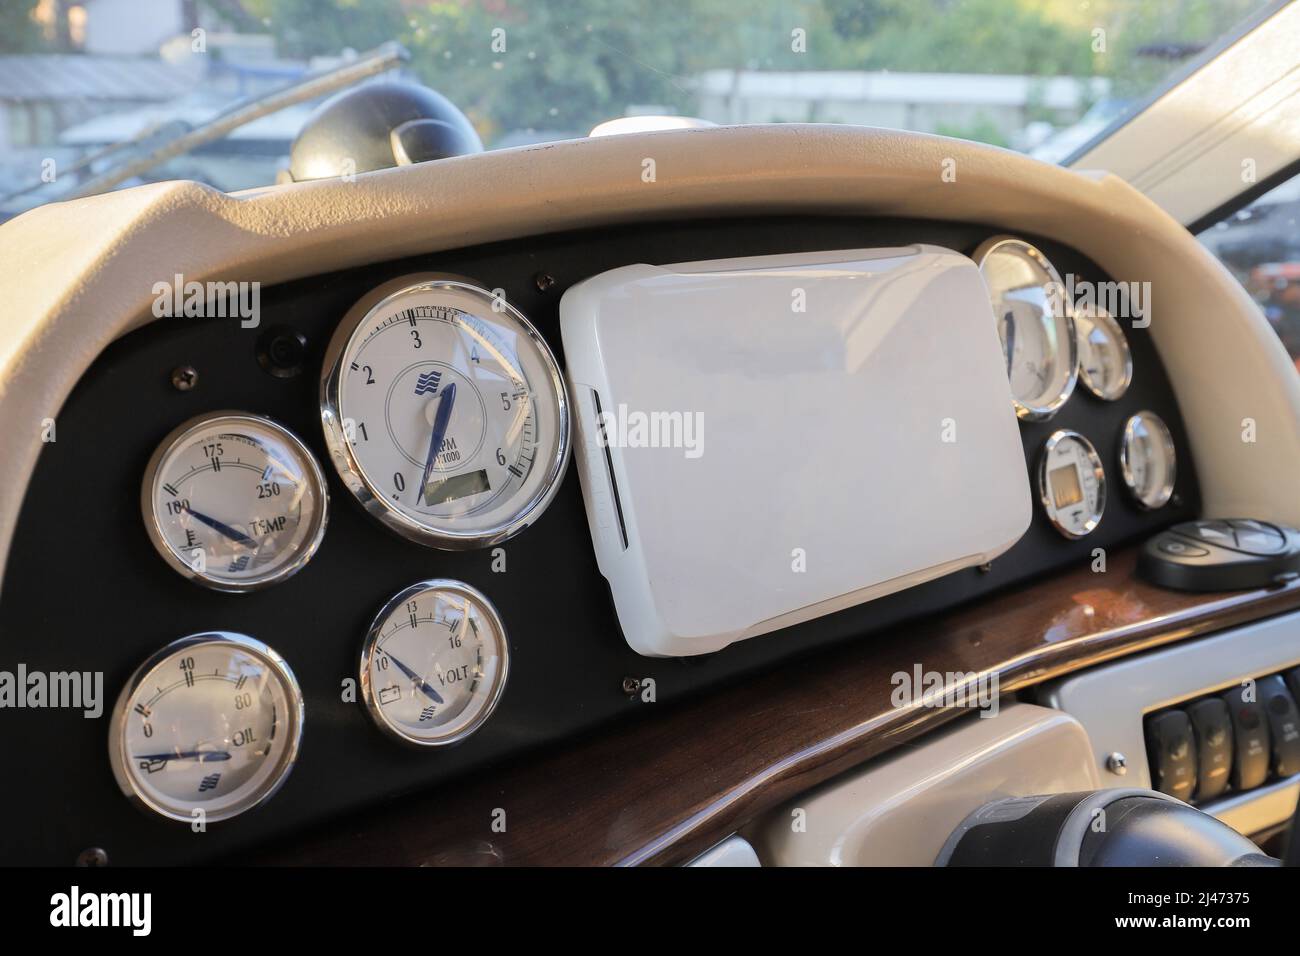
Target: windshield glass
[
  {"x": 99, "y": 94},
  {"x": 1260, "y": 245}
]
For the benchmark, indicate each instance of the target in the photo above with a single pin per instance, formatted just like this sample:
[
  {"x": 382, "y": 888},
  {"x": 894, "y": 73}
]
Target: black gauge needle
[
  {"x": 236, "y": 536},
  {"x": 416, "y": 679},
  {"x": 1010, "y": 323},
  {"x": 202, "y": 756},
  {"x": 440, "y": 422}
]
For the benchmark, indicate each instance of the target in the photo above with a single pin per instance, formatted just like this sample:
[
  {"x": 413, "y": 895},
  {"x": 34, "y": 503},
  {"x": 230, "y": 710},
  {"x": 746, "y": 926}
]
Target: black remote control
[{"x": 1222, "y": 555}]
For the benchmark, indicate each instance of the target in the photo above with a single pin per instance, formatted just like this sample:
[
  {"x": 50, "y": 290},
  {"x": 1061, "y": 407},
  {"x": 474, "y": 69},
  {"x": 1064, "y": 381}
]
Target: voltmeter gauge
[
  {"x": 1105, "y": 363},
  {"x": 1147, "y": 461},
  {"x": 212, "y": 722},
  {"x": 1035, "y": 325},
  {"x": 445, "y": 412},
  {"x": 1071, "y": 484},
  {"x": 434, "y": 663},
  {"x": 234, "y": 501}
]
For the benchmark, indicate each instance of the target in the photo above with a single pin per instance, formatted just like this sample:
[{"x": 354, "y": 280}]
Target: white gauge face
[
  {"x": 1034, "y": 325},
  {"x": 446, "y": 414},
  {"x": 434, "y": 663},
  {"x": 1071, "y": 484},
  {"x": 234, "y": 501},
  {"x": 1105, "y": 365},
  {"x": 212, "y": 723},
  {"x": 1147, "y": 460}
]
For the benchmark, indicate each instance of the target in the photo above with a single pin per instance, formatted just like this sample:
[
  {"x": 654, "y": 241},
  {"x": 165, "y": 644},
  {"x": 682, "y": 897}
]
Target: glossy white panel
[{"x": 839, "y": 426}]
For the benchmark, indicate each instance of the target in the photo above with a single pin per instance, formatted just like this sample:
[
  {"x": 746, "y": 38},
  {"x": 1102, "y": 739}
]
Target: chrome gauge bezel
[
  {"x": 1166, "y": 489},
  {"x": 1068, "y": 341},
  {"x": 1044, "y": 493},
  {"x": 296, "y": 717},
  {"x": 488, "y": 611},
  {"x": 207, "y": 421},
  {"x": 1101, "y": 316},
  {"x": 442, "y": 535}
]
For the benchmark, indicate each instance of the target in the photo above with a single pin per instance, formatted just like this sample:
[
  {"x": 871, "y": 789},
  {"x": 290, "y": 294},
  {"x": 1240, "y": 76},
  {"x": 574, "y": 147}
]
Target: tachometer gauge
[
  {"x": 1105, "y": 364},
  {"x": 1147, "y": 460},
  {"x": 445, "y": 412},
  {"x": 1071, "y": 483},
  {"x": 212, "y": 722},
  {"x": 1035, "y": 325},
  {"x": 234, "y": 501},
  {"x": 434, "y": 663}
]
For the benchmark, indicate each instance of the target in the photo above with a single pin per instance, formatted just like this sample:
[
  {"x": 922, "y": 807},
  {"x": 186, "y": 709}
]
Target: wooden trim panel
[{"x": 663, "y": 788}]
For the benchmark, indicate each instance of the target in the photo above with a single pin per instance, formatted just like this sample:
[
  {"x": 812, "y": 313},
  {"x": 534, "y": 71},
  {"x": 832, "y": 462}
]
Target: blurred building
[
  {"x": 951, "y": 103},
  {"x": 118, "y": 27},
  {"x": 42, "y": 94}
]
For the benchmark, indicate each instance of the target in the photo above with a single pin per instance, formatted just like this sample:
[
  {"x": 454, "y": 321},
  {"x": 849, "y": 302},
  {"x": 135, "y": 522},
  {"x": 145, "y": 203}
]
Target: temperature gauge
[
  {"x": 212, "y": 722},
  {"x": 1147, "y": 460},
  {"x": 1071, "y": 484},
  {"x": 434, "y": 663},
  {"x": 234, "y": 501}
]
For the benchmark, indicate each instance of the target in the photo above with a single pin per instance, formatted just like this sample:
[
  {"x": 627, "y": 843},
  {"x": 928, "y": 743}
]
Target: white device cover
[{"x": 858, "y": 436}]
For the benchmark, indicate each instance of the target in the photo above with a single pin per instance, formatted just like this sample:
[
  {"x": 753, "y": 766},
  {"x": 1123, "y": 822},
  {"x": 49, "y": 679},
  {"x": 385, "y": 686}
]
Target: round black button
[{"x": 1181, "y": 549}]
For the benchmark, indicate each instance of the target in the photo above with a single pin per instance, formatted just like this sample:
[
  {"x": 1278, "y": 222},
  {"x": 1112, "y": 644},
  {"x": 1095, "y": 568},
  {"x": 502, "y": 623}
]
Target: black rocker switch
[
  {"x": 1283, "y": 724},
  {"x": 1293, "y": 682},
  {"x": 1172, "y": 753},
  {"x": 1213, "y": 728},
  {"x": 1251, "y": 739}
]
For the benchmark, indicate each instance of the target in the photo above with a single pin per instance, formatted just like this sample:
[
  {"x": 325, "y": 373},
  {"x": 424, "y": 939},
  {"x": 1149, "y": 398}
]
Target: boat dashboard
[{"x": 389, "y": 532}]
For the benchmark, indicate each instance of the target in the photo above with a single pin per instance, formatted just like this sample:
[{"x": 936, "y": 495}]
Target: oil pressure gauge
[
  {"x": 234, "y": 501},
  {"x": 1071, "y": 483},
  {"x": 434, "y": 663},
  {"x": 445, "y": 412},
  {"x": 212, "y": 722}
]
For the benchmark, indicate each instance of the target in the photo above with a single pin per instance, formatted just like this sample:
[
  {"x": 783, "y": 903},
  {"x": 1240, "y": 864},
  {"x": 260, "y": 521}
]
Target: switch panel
[{"x": 1240, "y": 693}]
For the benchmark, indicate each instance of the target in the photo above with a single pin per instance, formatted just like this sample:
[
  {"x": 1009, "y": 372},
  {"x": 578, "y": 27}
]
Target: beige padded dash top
[{"x": 75, "y": 276}]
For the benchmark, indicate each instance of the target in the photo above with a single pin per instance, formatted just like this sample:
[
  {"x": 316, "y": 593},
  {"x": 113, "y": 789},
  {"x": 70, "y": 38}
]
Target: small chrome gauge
[
  {"x": 1105, "y": 363},
  {"x": 211, "y": 722},
  {"x": 1035, "y": 325},
  {"x": 434, "y": 663},
  {"x": 1147, "y": 460},
  {"x": 445, "y": 412},
  {"x": 1071, "y": 484},
  {"x": 234, "y": 501}
]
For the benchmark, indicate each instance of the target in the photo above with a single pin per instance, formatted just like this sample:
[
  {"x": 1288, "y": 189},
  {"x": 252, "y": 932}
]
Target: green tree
[
  {"x": 569, "y": 64},
  {"x": 1146, "y": 41},
  {"x": 566, "y": 65},
  {"x": 19, "y": 33},
  {"x": 973, "y": 36},
  {"x": 305, "y": 28}
]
